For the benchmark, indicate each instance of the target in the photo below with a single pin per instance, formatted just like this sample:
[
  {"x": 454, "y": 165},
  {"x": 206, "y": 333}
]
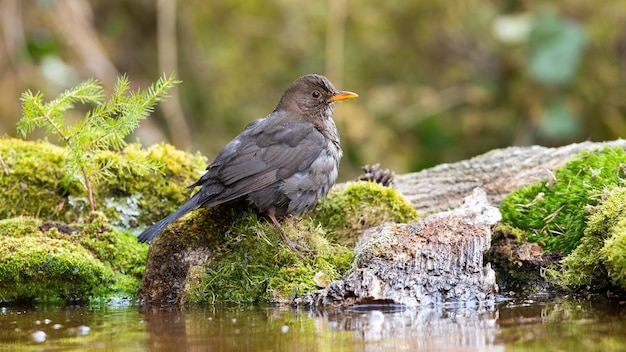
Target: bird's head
[{"x": 312, "y": 93}]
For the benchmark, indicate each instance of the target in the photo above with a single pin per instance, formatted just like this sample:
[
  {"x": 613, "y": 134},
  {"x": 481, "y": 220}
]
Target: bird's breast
[{"x": 303, "y": 189}]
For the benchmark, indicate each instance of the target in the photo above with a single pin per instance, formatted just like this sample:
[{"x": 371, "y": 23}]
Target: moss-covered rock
[
  {"x": 347, "y": 212},
  {"x": 244, "y": 259},
  {"x": 76, "y": 254},
  {"x": 253, "y": 264},
  {"x": 31, "y": 179},
  {"x": 600, "y": 259},
  {"x": 554, "y": 213},
  {"x": 577, "y": 214},
  {"x": 246, "y": 263},
  {"x": 614, "y": 254},
  {"x": 33, "y": 183},
  {"x": 51, "y": 261}
]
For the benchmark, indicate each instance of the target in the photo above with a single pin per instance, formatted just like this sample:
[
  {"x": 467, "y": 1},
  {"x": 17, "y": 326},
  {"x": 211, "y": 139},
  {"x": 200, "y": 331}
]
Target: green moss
[
  {"x": 135, "y": 197},
  {"x": 361, "y": 205},
  {"x": 31, "y": 179},
  {"x": 554, "y": 214},
  {"x": 254, "y": 265},
  {"x": 599, "y": 259},
  {"x": 51, "y": 261},
  {"x": 614, "y": 254},
  {"x": 48, "y": 269},
  {"x": 17, "y": 226},
  {"x": 119, "y": 249},
  {"x": 511, "y": 232},
  {"x": 35, "y": 188},
  {"x": 33, "y": 183},
  {"x": 581, "y": 214}
]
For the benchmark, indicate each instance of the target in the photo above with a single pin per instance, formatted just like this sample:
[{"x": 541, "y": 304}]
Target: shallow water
[{"x": 566, "y": 325}]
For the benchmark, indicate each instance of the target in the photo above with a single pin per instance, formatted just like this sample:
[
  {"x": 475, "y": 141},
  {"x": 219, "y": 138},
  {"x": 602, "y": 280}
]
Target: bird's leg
[{"x": 293, "y": 245}]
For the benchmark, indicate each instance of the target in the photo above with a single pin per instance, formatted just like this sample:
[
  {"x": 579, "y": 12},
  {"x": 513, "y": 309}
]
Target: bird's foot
[
  {"x": 293, "y": 245},
  {"x": 299, "y": 249}
]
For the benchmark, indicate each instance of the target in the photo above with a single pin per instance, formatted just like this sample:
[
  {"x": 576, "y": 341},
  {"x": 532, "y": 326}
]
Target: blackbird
[{"x": 281, "y": 164}]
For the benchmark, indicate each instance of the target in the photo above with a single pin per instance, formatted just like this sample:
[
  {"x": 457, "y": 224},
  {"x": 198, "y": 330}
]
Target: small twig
[
  {"x": 90, "y": 192},
  {"x": 58, "y": 129},
  {"x": 90, "y": 195},
  {"x": 5, "y": 166},
  {"x": 548, "y": 219}
]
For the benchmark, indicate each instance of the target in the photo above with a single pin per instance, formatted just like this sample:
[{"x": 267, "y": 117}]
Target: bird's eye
[{"x": 316, "y": 94}]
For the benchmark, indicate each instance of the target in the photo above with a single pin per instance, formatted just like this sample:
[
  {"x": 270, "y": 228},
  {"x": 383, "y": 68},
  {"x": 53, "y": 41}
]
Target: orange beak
[{"x": 343, "y": 95}]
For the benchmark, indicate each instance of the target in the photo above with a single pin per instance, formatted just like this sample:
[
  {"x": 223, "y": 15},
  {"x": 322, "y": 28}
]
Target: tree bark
[{"x": 499, "y": 172}]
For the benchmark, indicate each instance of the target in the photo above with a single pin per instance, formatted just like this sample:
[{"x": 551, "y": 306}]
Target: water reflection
[
  {"x": 596, "y": 324},
  {"x": 360, "y": 329},
  {"x": 424, "y": 329},
  {"x": 588, "y": 325}
]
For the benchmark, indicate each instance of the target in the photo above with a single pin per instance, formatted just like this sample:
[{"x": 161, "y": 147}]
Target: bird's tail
[{"x": 151, "y": 232}]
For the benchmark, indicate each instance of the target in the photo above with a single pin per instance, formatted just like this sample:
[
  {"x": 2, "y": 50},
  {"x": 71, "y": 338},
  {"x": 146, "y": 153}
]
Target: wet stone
[{"x": 437, "y": 260}]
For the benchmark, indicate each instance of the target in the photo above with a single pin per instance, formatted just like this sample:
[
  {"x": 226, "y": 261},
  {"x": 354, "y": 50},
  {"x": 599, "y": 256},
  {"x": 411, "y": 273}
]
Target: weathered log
[
  {"x": 498, "y": 172},
  {"x": 435, "y": 261}
]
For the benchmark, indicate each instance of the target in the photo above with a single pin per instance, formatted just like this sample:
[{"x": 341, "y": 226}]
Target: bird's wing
[{"x": 264, "y": 153}]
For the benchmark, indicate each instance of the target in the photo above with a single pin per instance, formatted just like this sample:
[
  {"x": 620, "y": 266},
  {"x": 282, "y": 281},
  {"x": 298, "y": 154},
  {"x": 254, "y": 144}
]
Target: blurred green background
[{"x": 439, "y": 81}]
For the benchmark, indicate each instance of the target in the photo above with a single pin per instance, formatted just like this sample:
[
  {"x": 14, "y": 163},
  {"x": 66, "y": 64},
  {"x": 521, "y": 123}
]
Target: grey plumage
[{"x": 281, "y": 164}]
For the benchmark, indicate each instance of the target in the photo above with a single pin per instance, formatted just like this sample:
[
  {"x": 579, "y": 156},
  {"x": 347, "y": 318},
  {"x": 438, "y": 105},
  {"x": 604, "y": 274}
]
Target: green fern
[{"x": 104, "y": 127}]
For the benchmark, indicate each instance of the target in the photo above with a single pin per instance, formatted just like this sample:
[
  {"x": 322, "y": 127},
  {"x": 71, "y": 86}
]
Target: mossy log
[{"x": 550, "y": 199}]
